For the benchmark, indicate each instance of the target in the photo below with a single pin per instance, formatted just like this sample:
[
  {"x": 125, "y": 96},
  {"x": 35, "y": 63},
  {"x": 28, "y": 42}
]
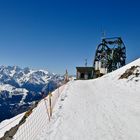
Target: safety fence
[{"x": 34, "y": 120}]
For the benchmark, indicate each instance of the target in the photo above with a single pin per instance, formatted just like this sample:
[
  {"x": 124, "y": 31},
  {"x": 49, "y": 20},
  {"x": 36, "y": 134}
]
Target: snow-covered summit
[
  {"x": 19, "y": 87},
  {"x": 19, "y": 76},
  {"x": 107, "y": 108}
]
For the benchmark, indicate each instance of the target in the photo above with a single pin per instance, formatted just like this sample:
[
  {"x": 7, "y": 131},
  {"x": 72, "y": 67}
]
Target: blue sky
[{"x": 60, "y": 34}]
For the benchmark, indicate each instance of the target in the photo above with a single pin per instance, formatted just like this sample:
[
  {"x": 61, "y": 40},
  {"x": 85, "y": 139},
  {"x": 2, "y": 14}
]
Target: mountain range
[{"x": 20, "y": 87}]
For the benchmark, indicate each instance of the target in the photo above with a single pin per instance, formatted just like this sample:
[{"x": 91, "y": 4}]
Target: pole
[{"x": 50, "y": 104}]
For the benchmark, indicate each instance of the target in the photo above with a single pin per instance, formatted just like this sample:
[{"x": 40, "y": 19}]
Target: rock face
[
  {"x": 19, "y": 88},
  {"x": 132, "y": 73}
]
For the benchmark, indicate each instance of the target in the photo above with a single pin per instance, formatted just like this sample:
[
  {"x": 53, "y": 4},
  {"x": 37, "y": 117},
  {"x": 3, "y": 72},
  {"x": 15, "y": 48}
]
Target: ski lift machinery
[{"x": 110, "y": 55}]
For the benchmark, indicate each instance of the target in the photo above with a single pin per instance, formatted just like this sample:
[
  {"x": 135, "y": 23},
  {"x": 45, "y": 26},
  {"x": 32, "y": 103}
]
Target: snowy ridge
[
  {"x": 7, "y": 124},
  {"x": 18, "y": 76},
  {"x": 11, "y": 89},
  {"x": 14, "y": 91},
  {"x": 20, "y": 87},
  {"x": 107, "y": 108}
]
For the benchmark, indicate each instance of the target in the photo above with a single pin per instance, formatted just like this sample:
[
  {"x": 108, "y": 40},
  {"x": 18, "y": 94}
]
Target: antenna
[
  {"x": 66, "y": 79},
  {"x": 103, "y": 34},
  {"x": 86, "y": 62}
]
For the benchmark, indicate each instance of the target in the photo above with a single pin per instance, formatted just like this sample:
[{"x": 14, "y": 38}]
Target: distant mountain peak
[{"x": 22, "y": 86}]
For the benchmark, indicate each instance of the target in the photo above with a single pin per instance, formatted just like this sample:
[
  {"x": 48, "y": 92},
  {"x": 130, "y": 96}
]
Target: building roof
[{"x": 85, "y": 69}]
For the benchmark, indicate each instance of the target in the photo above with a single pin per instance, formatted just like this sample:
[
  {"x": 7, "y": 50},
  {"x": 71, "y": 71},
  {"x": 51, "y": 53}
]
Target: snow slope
[
  {"x": 7, "y": 124},
  {"x": 107, "y": 108}
]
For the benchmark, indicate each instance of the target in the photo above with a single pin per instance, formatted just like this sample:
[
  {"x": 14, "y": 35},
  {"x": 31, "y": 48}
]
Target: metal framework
[{"x": 111, "y": 52}]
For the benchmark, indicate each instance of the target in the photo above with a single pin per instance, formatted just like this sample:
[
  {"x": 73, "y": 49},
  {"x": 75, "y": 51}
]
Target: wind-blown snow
[{"x": 107, "y": 108}]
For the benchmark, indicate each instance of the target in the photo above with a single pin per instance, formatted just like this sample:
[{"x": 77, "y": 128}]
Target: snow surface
[
  {"x": 107, "y": 108},
  {"x": 11, "y": 88},
  {"x": 7, "y": 124},
  {"x": 14, "y": 91}
]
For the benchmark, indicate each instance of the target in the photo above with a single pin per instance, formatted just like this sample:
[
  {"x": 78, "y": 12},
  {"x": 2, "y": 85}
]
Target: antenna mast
[
  {"x": 86, "y": 62},
  {"x": 103, "y": 35}
]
